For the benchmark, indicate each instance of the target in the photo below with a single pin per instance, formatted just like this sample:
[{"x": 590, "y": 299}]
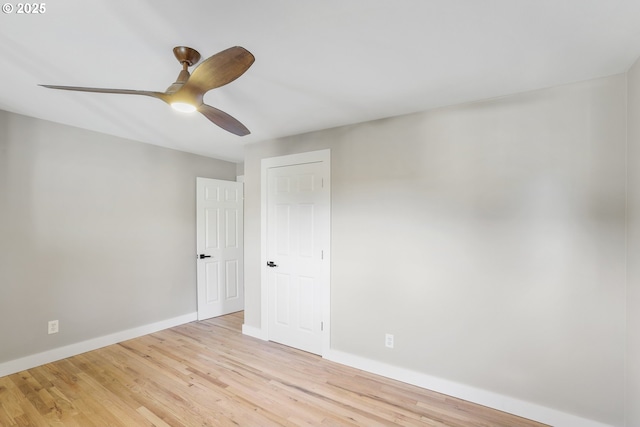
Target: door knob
[
  {"x": 271, "y": 264},
  {"x": 203, "y": 256}
]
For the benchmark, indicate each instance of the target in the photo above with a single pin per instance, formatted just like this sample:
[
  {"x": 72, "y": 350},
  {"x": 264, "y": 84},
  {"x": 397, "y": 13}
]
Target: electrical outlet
[
  {"x": 388, "y": 340},
  {"x": 53, "y": 327}
]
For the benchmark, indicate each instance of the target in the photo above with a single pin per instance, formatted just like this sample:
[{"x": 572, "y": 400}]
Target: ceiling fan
[{"x": 187, "y": 93}]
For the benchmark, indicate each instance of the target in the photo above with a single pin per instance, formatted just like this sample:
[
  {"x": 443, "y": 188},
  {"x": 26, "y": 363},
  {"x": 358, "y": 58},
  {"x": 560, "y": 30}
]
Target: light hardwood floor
[{"x": 208, "y": 374}]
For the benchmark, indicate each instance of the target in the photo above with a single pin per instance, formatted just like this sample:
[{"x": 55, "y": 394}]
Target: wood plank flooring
[{"x": 208, "y": 374}]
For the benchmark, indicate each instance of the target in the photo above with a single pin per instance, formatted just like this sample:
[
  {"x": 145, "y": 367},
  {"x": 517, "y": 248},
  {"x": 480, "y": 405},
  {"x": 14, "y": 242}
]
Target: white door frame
[{"x": 323, "y": 156}]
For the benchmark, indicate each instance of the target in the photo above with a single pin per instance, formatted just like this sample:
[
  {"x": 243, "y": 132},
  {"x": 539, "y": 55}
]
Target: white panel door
[
  {"x": 297, "y": 230},
  {"x": 220, "y": 271}
]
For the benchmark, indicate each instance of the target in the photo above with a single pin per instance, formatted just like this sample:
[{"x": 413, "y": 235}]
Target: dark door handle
[
  {"x": 203, "y": 256},
  {"x": 271, "y": 264}
]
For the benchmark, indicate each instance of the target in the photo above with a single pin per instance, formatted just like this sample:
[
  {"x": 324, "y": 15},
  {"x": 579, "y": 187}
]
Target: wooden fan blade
[
  {"x": 224, "y": 120},
  {"x": 219, "y": 69},
  {"x": 159, "y": 95}
]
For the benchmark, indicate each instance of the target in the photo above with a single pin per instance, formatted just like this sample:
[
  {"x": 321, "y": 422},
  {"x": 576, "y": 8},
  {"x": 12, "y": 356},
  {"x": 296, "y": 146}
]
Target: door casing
[{"x": 323, "y": 156}]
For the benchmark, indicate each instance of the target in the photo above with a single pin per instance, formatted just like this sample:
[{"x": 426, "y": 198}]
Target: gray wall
[
  {"x": 633, "y": 242},
  {"x": 488, "y": 237},
  {"x": 95, "y": 231}
]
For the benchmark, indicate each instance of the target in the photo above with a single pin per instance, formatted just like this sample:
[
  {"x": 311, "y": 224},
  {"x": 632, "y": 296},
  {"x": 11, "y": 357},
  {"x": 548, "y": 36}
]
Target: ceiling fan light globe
[{"x": 183, "y": 107}]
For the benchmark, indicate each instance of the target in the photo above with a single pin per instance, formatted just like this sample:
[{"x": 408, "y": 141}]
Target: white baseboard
[
  {"x": 28, "y": 362},
  {"x": 486, "y": 398},
  {"x": 252, "y": 331}
]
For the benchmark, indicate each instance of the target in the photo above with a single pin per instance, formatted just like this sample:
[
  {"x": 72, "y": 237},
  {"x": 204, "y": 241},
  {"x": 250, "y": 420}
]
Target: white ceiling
[{"x": 319, "y": 64}]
